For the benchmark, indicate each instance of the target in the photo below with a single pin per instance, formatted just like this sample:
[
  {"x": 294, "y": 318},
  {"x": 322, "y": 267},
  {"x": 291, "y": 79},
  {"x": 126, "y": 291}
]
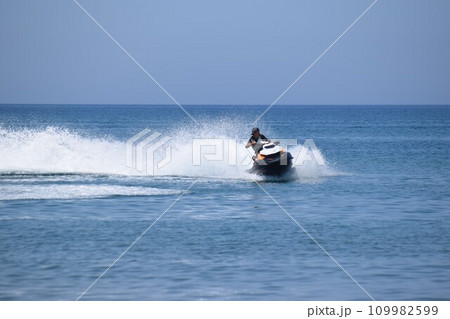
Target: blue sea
[{"x": 77, "y": 222}]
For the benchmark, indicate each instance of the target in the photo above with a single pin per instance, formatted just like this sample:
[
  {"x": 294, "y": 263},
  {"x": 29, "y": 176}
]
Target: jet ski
[{"x": 271, "y": 159}]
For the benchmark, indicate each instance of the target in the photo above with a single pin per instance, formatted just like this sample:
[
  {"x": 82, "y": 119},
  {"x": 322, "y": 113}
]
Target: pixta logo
[
  {"x": 228, "y": 150},
  {"x": 309, "y": 153},
  {"x": 142, "y": 148}
]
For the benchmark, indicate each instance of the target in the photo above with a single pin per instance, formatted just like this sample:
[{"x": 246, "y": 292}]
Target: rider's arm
[{"x": 249, "y": 143}]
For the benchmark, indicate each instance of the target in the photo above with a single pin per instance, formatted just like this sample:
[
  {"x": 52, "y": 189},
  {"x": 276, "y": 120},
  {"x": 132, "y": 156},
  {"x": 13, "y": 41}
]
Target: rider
[{"x": 256, "y": 140}]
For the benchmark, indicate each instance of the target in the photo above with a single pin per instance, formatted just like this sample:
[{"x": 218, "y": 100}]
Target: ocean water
[{"x": 70, "y": 206}]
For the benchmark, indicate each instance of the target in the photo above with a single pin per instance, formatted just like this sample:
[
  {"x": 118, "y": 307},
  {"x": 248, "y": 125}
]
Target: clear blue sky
[{"x": 225, "y": 52}]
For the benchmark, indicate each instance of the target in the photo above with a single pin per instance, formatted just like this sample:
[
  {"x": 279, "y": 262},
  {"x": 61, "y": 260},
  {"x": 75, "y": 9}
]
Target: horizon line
[{"x": 209, "y": 104}]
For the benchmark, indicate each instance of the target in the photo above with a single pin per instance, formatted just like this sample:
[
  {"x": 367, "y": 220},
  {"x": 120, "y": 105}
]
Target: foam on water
[
  {"x": 58, "y": 191},
  {"x": 59, "y": 150}
]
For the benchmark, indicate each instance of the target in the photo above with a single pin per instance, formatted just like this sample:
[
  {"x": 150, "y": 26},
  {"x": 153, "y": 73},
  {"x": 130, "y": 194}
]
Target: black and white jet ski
[{"x": 271, "y": 159}]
